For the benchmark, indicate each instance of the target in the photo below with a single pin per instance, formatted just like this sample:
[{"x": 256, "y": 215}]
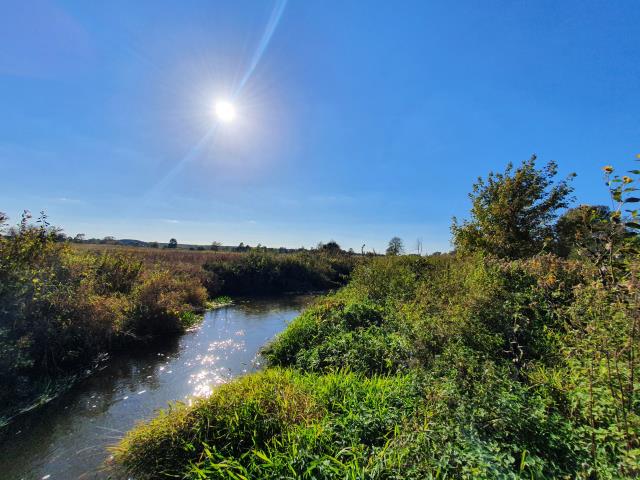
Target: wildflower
[
  {"x": 626, "y": 179},
  {"x": 608, "y": 169}
]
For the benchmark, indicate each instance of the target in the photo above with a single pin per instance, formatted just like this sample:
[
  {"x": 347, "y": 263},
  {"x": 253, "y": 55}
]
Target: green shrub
[
  {"x": 162, "y": 302},
  {"x": 259, "y": 273},
  {"x": 116, "y": 273}
]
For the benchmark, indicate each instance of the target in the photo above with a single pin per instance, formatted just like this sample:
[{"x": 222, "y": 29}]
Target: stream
[{"x": 68, "y": 438}]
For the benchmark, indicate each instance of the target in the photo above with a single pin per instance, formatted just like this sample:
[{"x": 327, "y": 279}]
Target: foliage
[
  {"x": 64, "y": 304},
  {"x": 395, "y": 247},
  {"x": 512, "y": 212},
  {"x": 331, "y": 248},
  {"x": 584, "y": 231},
  {"x": 493, "y": 367},
  {"x": 257, "y": 273},
  {"x": 60, "y": 308},
  {"x": 274, "y": 424}
]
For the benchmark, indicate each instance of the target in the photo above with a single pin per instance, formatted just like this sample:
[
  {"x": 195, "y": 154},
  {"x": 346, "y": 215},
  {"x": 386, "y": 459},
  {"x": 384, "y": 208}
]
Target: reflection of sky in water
[{"x": 68, "y": 438}]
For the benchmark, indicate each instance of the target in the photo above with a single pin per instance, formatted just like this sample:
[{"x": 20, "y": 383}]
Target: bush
[
  {"x": 162, "y": 302},
  {"x": 116, "y": 273},
  {"x": 263, "y": 273},
  {"x": 351, "y": 337}
]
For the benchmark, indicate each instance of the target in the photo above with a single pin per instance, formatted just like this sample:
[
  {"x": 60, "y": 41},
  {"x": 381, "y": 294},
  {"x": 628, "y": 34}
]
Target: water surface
[{"x": 67, "y": 438}]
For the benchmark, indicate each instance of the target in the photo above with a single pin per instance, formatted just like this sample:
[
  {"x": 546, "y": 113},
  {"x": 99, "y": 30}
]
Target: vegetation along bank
[
  {"x": 516, "y": 356},
  {"x": 63, "y": 306}
]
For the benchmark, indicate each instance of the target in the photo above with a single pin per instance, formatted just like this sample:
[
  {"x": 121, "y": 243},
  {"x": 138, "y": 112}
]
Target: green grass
[
  {"x": 273, "y": 423},
  {"x": 448, "y": 367}
]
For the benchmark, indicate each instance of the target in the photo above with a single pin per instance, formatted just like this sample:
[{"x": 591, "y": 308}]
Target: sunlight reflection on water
[{"x": 68, "y": 437}]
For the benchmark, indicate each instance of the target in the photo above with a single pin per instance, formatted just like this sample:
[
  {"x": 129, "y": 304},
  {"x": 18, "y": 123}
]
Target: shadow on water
[{"x": 67, "y": 438}]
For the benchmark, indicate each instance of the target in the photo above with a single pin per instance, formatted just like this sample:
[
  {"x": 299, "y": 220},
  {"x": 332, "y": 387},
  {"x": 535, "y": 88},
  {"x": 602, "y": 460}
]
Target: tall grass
[{"x": 272, "y": 425}]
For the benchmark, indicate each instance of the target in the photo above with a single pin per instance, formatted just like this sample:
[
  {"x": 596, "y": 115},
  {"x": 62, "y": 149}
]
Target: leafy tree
[
  {"x": 330, "y": 247},
  {"x": 242, "y": 247},
  {"x": 395, "y": 247},
  {"x": 512, "y": 213},
  {"x": 173, "y": 243},
  {"x": 215, "y": 246},
  {"x": 584, "y": 229},
  {"x": 154, "y": 245}
]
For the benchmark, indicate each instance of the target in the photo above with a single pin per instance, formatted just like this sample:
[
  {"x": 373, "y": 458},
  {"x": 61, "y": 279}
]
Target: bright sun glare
[{"x": 225, "y": 111}]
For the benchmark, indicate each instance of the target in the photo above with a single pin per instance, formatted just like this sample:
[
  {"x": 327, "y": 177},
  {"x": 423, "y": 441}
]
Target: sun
[{"x": 225, "y": 111}]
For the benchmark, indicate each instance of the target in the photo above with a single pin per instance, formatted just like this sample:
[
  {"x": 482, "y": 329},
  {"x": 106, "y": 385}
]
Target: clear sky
[{"x": 355, "y": 121}]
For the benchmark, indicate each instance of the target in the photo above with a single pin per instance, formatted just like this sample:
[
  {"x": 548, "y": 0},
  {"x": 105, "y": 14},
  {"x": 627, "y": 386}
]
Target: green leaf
[
  {"x": 633, "y": 225},
  {"x": 632, "y": 200},
  {"x": 262, "y": 456}
]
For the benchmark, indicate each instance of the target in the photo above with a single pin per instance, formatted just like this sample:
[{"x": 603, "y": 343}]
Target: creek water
[{"x": 68, "y": 438}]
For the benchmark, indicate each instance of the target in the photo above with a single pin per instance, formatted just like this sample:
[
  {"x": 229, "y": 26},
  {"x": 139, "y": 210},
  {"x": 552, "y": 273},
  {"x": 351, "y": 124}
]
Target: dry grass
[{"x": 162, "y": 255}]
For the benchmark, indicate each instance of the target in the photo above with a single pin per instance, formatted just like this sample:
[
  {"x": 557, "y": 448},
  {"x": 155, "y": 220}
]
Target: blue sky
[{"x": 356, "y": 121}]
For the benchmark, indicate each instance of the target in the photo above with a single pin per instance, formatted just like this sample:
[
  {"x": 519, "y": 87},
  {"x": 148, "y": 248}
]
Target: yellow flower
[
  {"x": 626, "y": 179},
  {"x": 608, "y": 169},
  {"x": 638, "y": 156}
]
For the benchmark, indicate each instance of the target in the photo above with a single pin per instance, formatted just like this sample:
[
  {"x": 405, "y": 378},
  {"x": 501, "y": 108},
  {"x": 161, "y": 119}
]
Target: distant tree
[
  {"x": 512, "y": 213},
  {"x": 79, "y": 238},
  {"x": 395, "y": 247},
  {"x": 330, "y": 247},
  {"x": 154, "y": 245},
  {"x": 215, "y": 246},
  {"x": 351, "y": 252},
  {"x": 173, "y": 243}
]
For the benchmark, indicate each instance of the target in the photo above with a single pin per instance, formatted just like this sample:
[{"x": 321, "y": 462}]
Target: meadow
[{"x": 516, "y": 356}]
